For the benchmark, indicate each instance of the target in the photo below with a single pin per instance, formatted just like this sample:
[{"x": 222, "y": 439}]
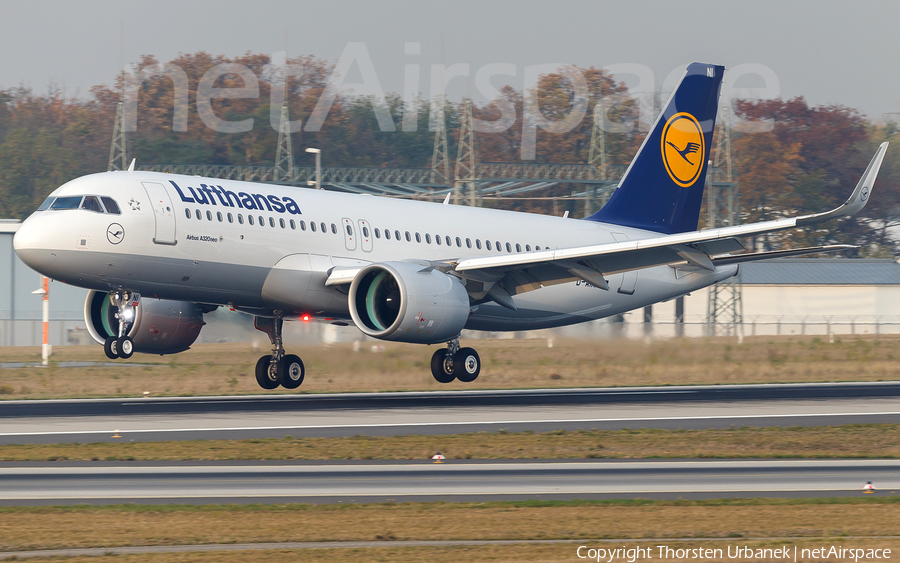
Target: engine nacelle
[
  {"x": 407, "y": 302},
  {"x": 160, "y": 326}
]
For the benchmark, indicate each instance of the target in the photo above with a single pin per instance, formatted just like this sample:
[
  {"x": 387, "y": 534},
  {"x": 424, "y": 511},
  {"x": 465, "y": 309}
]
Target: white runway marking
[{"x": 459, "y": 423}]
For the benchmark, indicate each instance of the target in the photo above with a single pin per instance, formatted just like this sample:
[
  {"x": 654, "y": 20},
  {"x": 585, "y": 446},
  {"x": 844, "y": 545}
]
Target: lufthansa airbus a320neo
[{"x": 159, "y": 250}]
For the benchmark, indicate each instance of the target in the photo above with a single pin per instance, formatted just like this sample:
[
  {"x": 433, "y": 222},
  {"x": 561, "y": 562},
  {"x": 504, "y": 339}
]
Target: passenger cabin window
[
  {"x": 468, "y": 243},
  {"x": 459, "y": 242},
  {"x": 219, "y": 216},
  {"x": 209, "y": 215},
  {"x": 397, "y": 235},
  {"x": 312, "y": 226},
  {"x": 448, "y": 240},
  {"x": 499, "y": 247},
  {"x": 302, "y": 225},
  {"x": 111, "y": 205},
  {"x": 240, "y": 219},
  {"x": 333, "y": 228},
  {"x": 250, "y": 219},
  {"x": 428, "y": 239},
  {"x": 281, "y": 222},
  {"x": 230, "y": 218},
  {"x": 387, "y": 234},
  {"x": 66, "y": 203},
  {"x": 487, "y": 244},
  {"x": 349, "y": 230},
  {"x": 366, "y": 232},
  {"x": 293, "y": 225},
  {"x": 272, "y": 222},
  {"x": 478, "y": 243},
  {"x": 508, "y": 247},
  {"x": 418, "y": 238},
  {"x": 187, "y": 213},
  {"x": 378, "y": 233},
  {"x": 197, "y": 213},
  {"x": 262, "y": 222},
  {"x": 408, "y": 237}
]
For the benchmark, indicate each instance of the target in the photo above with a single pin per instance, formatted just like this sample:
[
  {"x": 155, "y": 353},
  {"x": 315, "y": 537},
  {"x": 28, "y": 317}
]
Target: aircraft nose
[{"x": 30, "y": 243}]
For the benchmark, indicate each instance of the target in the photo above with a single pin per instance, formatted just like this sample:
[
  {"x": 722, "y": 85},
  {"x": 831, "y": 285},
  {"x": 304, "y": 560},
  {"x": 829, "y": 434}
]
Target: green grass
[{"x": 851, "y": 441}]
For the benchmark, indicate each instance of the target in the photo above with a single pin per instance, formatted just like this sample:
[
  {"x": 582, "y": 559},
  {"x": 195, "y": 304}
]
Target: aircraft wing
[
  {"x": 517, "y": 273},
  {"x": 499, "y": 277}
]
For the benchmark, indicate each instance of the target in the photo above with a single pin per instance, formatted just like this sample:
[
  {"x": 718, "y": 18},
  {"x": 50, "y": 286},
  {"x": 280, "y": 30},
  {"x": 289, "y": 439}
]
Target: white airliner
[{"x": 160, "y": 250}]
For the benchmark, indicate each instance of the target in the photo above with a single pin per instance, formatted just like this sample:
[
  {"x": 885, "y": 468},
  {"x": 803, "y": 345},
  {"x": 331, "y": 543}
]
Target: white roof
[{"x": 9, "y": 225}]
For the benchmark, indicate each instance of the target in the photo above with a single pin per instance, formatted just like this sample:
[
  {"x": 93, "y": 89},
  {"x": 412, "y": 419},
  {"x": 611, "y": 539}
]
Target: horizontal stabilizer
[{"x": 741, "y": 258}]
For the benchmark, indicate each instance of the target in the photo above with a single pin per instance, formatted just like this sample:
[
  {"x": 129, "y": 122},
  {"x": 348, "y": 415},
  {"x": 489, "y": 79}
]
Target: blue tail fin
[{"x": 663, "y": 187}]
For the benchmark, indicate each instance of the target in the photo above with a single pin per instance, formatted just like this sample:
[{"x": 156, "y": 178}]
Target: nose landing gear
[
  {"x": 455, "y": 363},
  {"x": 121, "y": 345},
  {"x": 278, "y": 368}
]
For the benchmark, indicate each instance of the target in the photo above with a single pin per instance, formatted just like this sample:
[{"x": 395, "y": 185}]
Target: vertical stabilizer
[{"x": 663, "y": 187}]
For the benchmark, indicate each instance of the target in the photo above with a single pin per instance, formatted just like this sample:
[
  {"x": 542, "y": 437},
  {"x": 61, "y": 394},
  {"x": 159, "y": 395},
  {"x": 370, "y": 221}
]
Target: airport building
[
  {"x": 794, "y": 296},
  {"x": 779, "y": 297}
]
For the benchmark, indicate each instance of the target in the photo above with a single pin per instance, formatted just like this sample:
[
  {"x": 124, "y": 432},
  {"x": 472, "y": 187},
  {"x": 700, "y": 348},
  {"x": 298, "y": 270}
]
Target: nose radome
[
  {"x": 29, "y": 243},
  {"x": 26, "y": 237}
]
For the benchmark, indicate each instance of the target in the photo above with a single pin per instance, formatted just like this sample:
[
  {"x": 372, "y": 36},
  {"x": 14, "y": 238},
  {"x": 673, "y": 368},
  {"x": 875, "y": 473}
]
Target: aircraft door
[
  {"x": 629, "y": 279},
  {"x": 163, "y": 212},
  {"x": 365, "y": 235},
  {"x": 349, "y": 235}
]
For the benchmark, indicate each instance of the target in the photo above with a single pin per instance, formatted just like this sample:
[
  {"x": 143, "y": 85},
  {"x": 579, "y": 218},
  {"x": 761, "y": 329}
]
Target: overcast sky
[{"x": 830, "y": 52}]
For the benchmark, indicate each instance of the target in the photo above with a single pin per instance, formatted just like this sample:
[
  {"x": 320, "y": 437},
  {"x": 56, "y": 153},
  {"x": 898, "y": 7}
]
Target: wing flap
[{"x": 342, "y": 275}]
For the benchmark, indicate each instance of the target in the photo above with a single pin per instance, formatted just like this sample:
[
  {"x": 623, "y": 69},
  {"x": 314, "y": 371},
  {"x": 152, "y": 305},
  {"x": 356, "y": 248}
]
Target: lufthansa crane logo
[
  {"x": 683, "y": 148},
  {"x": 115, "y": 233}
]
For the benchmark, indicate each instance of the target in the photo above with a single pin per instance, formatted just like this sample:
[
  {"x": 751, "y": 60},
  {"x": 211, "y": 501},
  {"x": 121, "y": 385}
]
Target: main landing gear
[
  {"x": 277, "y": 368},
  {"x": 455, "y": 363},
  {"x": 121, "y": 345}
]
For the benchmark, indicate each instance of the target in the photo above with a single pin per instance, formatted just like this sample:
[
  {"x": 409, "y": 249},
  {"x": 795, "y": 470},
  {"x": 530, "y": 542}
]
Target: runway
[
  {"x": 384, "y": 414},
  {"x": 28, "y": 484}
]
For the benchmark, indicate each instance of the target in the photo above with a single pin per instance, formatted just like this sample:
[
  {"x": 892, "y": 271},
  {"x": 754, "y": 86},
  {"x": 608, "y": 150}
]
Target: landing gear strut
[
  {"x": 121, "y": 345},
  {"x": 278, "y": 368},
  {"x": 455, "y": 363}
]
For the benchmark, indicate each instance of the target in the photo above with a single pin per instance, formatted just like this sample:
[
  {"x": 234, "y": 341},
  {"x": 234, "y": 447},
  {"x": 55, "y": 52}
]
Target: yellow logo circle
[{"x": 683, "y": 148}]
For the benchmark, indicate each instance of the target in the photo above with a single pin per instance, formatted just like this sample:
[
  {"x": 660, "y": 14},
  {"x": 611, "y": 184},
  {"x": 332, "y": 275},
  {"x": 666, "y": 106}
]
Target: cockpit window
[
  {"x": 91, "y": 203},
  {"x": 66, "y": 202},
  {"x": 111, "y": 205},
  {"x": 46, "y": 205}
]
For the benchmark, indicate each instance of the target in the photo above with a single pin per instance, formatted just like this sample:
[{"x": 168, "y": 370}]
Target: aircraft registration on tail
[{"x": 158, "y": 251}]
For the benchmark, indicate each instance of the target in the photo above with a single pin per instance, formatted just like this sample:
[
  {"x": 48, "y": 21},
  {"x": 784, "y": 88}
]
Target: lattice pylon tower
[
  {"x": 118, "y": 150},
  {"x": 724, "y": 308},
  {"x": 597, "y": 158},
  {"x": 440, "y": 159},
  {"x": 284, "y": 156},
  {"x": 465, "y": 188}
]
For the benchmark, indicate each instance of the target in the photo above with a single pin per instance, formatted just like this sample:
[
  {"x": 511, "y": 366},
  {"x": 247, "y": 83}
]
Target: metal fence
[{"x": 235, "y": 327}]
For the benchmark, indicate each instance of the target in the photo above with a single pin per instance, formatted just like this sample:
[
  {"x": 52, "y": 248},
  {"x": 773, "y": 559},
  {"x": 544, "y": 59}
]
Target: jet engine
[
  {"x": 408, "y": 302},
  {"x": 160, "y": 326}
]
